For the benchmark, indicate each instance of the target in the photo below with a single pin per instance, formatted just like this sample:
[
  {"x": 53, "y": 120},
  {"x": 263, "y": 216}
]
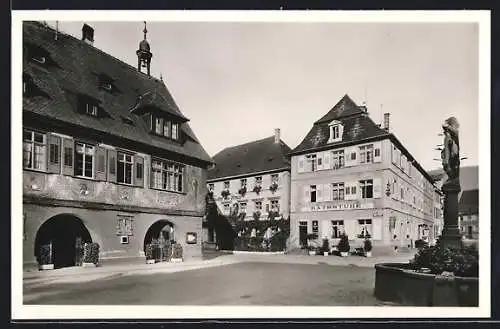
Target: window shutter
[
  {"x": 377, "y": 152},
  {"x": 319, "y": 160},
  {"x": 325, "y": 228},
  {"x": 348, "y": 156},
  {"x": 319, "y": 193},
  {"x": 68, "y": 157},
  {"x": 341, "y": 131},
  {"x": 350, "y": 195},
  {"x": 112, "y": 166},
  {"x": 138, "y": 171},
  {"x": 327, "y": 160},
  {"x": 327, "y": 192},
  {"x": 301, "y": 164},
  {"x": 377, "y": 188},
  {"x": 54, "y": 154},
  {"x": 100, "y": 160},
  {"x": 377, "y": 229},
  {"x": 307, "y": 194}
]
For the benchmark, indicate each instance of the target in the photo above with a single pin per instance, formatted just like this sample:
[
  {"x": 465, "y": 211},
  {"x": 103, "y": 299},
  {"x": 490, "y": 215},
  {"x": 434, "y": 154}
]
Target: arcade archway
[
  {"x": 62, "y": 232},
  {"x": 159, "y": 228}
]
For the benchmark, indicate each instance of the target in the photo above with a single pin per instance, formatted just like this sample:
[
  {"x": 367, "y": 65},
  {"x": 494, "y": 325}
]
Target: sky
[{"x": 238, "y": 81}]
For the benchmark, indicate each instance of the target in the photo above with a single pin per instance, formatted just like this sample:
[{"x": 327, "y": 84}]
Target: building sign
[
  {"x": 378, "y": 213},
  {"x": 124, "y": 225},
  {"x": 337, "y": 206}
]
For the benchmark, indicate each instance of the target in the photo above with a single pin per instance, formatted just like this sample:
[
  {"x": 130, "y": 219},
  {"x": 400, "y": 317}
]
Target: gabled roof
[
  {"x": 76, "y": 70},
  {"x": 253, "y": 157},
  {"x": 469, "y": 202},
  {"x": 357, "y": 127},
  {"x": 345, "y": 107}
]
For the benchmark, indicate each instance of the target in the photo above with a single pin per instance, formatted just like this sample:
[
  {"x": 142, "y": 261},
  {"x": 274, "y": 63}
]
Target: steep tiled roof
[
  {"x": 257, "y": 156},
  {"x": 469, "y": 202},
  {"x": 345, "y": 107},
  {"x": 73, "y": 69}
]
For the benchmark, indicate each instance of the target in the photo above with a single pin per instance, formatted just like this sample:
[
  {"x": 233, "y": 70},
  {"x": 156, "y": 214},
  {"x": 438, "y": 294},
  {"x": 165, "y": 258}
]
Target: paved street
[{"x": 234, "y": 280}]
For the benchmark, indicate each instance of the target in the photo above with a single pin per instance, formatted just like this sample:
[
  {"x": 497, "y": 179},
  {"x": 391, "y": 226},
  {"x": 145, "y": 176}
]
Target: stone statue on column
[{"x": 450, "y": 156}]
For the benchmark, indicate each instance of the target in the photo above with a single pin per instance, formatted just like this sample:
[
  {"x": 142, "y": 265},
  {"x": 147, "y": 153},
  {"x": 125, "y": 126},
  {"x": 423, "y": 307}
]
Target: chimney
[
  {"x": 386, "y": 121},
  {"x": 88, "y": 34},
  {"x": 277, "y": 135}
]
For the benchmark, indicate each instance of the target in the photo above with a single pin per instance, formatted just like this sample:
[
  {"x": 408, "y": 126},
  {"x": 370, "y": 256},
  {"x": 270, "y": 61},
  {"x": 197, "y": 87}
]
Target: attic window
[
  {"x": 336, "y": 131},
  {"x": 91, "y": 109},
  {"x": 106, "y": 82},
  {"x": 128, "y": 121},
  {"x": 165, "y": 127}
]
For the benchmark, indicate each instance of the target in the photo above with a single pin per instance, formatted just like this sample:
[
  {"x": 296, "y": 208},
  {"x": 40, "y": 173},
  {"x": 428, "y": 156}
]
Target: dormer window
[
  {"x": 106, "y": 82},
  {"x": 165, "y": 128},
  {"x": 336, "y": 131},
  {"x": 91, "y": 109}
]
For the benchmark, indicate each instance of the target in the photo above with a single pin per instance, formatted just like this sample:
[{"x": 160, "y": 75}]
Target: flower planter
[
  {"x": 368, "y": 253},
  {"x": 89, "y": 264},
  {"x": 44, "y": 267},
  {"x": 150, "y": 261},
  {"x": 344, "y": 253},
  {"x": 325, "y": 253},
  {"x": 312, "y": 253},
  {"x": 176, "y": 260}
]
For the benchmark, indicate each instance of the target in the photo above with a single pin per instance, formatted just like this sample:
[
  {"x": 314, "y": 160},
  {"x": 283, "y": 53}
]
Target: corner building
[
  {"x": 108, "y": 157},
  {"x": 354, "y": 176}
]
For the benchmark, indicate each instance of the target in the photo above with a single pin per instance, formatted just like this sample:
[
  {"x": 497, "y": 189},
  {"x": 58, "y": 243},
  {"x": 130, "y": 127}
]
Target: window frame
[
  {"x": 84, "y": 155},
  {"x": 32, "y": 142},
  {"x": 338, "y": 188},
  {"x": 362, "y": 223},
  {"x": 339, "y": 225},
  {"x": 166, "y": 175},
  {"x": 364, "y": 184},
  {"x": 119, "y": 154},
  {"x": 313, "y": 188}
]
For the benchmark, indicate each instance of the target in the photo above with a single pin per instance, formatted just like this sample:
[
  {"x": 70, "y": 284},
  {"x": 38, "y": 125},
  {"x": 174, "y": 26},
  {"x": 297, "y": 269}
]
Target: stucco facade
[{"x": 400, "y": 205}]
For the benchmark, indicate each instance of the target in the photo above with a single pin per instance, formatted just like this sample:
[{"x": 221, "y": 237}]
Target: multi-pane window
[
  {"x": 335, "y": 132},
  {"x": 84, "y": 160},
  {"x": 125, "y": 165},
  {"x": 54, "y": 153},
  {"x": 166, "y": 128},
  {"x": 175, "y": 131},
  {"x": 167, "y": 176},
  {"x": 91, "y": 109},
  {"x": 337, "y": 228},
  {"x": 258, "y": 205},
  {"x": 366, "y": 187},
  {"x": 34, "y": 150},
  {"x": 315, "y": 226},
  {"x": 311, "y": 162},
  {"x": 313, "y": 193},
  {"x": 338, "y": 159},
  {"x": 275, "y": 205},
  {"x": 243, "y": 182},
  {"x": 211, "y": 187},
  {"x": 68, "y": 156},
  {"x": 338, "y": 191},
  {"x": 243, "y": 207},
  {"x": 364, "y": 228},
  {"x": 158, "y": 128},
  {"x": 366, "y": 153},
  {"x": 226, "y": 185},
  {"x": 274, "y": 178},
  {"x": 258, "y": 180}
]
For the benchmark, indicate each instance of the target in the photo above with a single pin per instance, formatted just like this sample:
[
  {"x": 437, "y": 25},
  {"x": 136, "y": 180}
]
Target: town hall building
[{"x": 108, "y": 157}]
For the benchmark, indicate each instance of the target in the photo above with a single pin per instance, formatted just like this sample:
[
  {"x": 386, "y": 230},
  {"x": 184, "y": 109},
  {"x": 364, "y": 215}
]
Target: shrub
[
  {"x": 343, "y": 245},
  {"x": 177, "y": 251},
  {"x": 257, "y": 189},
  {"x": 225, "y": 193},
  {"x": 421, "y": 244},
  {"x": 325, "y": 247},
  {"x": 367, "y": 245},
  {"x": 256, "y": 215},
  {"x": 91, "y": 253},
  {"x": 45, "y": 254},
  {"x": 242, "y": 191},
  {"x": 461, "y": 261}
]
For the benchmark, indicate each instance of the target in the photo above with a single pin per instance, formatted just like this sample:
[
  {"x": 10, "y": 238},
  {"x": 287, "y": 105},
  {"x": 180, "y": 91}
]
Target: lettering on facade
[
  {"x": 124, "y": 225},
  {"x": 338, "y": 206},
  {"x": 378, "y": 213}
]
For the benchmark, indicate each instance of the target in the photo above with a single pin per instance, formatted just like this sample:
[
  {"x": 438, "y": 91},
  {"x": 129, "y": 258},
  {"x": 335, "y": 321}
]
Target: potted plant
[
  {"x": 344, "y": 246},
  {"x": 150, "y": 259},
  {"x": 325, "y": 248},
  {"x": 256, "y": 215},
  {"x": 257, "y": 189},
  {"x": 45, "y": 259},
  {"x": 368, "y": 248},
  {"x": 91, "y": 254},
  {"x": 176, "y": 253},
  {"x": 242, "y": 191},
  {"x": 310, "y": 246},
  {"x": 273, "y": 187},
  {"x": 225, "y": 193}
]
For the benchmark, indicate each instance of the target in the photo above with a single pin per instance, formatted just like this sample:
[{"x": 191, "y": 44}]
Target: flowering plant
[
  {"x": 257, "y": 189},
  {"x": 273, "y": 187}
]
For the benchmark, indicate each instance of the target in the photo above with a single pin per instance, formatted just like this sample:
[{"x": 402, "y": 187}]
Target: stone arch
[
  {"x": 160, "y": 227},
  {"x": 61, "y": 232}
]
